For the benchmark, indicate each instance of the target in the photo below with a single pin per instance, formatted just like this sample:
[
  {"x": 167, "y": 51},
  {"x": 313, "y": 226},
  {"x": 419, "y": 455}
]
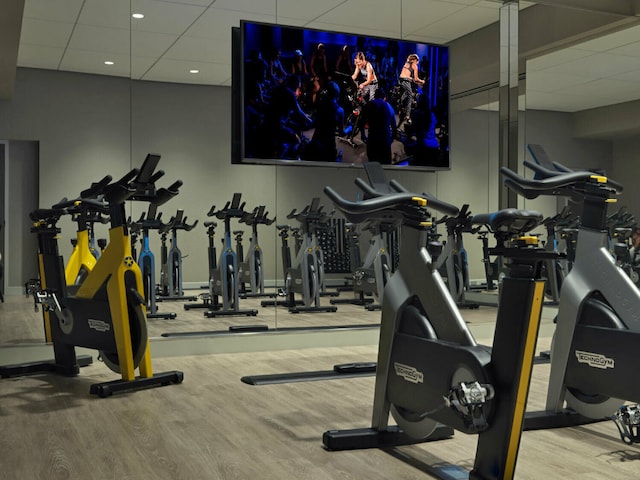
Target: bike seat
[
  {"x": 509, "y": 220},
  {"x": 47, "y": 215}
]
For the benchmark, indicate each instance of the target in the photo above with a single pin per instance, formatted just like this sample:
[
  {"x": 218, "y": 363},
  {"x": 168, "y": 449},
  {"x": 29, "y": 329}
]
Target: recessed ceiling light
[
  {"x": 137, "y": 15},
  {"x": 108, "y": 62},
  {"x": 194, "y": 71}
]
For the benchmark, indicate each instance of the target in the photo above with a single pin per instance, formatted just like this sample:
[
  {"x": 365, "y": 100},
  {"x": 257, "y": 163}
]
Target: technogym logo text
[
  {"x": 595, "y": 360},
  {"x": 99, "y": 325},
  {"x": 410, "y": 374}
]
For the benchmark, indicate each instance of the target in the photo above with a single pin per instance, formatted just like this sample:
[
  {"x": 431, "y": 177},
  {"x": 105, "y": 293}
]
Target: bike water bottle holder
[{"x": 627, "y": 420}]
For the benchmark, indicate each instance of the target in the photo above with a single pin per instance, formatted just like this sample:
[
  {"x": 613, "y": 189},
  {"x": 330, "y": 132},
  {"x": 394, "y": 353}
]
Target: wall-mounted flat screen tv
[{"x": 311, "y": 97}]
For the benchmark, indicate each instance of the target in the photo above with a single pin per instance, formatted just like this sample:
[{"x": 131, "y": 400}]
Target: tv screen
[{"x": 312, "y": 97}]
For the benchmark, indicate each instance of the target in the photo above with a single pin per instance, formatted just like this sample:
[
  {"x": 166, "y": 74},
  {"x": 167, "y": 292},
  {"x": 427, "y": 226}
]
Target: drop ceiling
[{"x": 177, "y": 36}]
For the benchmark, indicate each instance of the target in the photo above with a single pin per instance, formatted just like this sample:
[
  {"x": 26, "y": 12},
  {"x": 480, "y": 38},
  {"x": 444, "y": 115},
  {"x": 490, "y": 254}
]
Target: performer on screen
[
  {"x": 343, "y": 62},
  {"x": 408, "y": 77},
  {"x": 319, "y": 70},
  {"x": 365, "y": 77}
]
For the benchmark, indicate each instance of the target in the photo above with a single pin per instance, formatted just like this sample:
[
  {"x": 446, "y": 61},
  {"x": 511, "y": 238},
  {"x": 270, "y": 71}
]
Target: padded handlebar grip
[
  {"x": 175, "y": 186},
  {"x": 156, "y": 176},
  {"x": 128, "y": 177},
  {"x": 96, "y": 188}
]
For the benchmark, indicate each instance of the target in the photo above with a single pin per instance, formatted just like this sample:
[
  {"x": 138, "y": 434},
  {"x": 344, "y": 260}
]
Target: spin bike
[
  {"x": 107, "y": 312},
  {"x": 474, "y": 389},
  {"x": 171, "y": 270},
  {"x": 371, "y": 276},
  {"x": 453, "y": 258},
  {"x": 251, "y": 267},
  {"x": 283, "y": 232},
  {"x": 305, "y": 276},
  {"x": 224, "y": 279},
  {"x": 84, "y": 255},
  {"x": 352, "y": 240},
  {"x": 146, "y": 260},
  {"x": 594, "y": 353}
]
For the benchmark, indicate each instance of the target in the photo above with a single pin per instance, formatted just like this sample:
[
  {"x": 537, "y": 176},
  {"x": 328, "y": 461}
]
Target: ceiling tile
[
  {"x": 303, "y": 10},
  {"x": 45, "y": 33},
  {"x": 140, "y": 65},
  {"x": 263, "y": 7},
  {"x": 178, "y": 71},
  {"x": 53, "y": 10},
  {"x": 614, "y": 90},
  {"x": 559, "y": 103},
  {"x": 88, "y": 62},
  {"x": 417, "y": 15},
  {"x": 630, "y": 49},
  {"x": 101, "y": 39},
  {"x": 165, "y": 17},
  {"x": 39, "y": 56},
  {"x": 559, "y": 57},
  {"x": 545, "y": 81},
  {"x": 202, "y": 3},
  {"x": 199, "y": 49},
  {"x": 613, "y": 40},
  {"x": 363, "y": 17},
  {"x": 216, "y": 23},
  {"x": 151, "y": 44},
  {"x": 114, "y": 13},
  {"x": 462, "y": 22},
  {"x": 633, "y": 76},
  {"x": 599, "y": 65}
]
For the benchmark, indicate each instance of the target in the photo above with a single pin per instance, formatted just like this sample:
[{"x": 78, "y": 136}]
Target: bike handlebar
[
  {"x": 96, "y": 188},
  {"x": 562, "y": 183},
  {"x": 121, "y": 190},
  {"x": 388, "y": 203}
]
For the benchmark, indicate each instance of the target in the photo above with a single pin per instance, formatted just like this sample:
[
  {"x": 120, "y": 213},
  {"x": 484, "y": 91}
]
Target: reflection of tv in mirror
[{"x": 310, "y": 97}]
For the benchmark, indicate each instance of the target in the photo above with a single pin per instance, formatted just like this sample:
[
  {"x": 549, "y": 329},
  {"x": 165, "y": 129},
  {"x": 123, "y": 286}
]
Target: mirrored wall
[{"x": 87, "y": 125}]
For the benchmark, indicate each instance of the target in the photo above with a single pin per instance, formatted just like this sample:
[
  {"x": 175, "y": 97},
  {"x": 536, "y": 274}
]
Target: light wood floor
[
  {"x": 21, "y": 324},
  {"x": 212, "y": 426}
]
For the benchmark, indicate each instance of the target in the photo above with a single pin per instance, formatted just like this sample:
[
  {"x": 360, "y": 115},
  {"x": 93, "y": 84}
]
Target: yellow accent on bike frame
[
  {"x": 529, "y": 239},
  {"x": 111, "y": 268},
  {"x": 420, "y": 201},
  {"x": 80, "y": 258},
  {"x": 45, "y": 314},
  {"x": 599, "y": 178},
  {"x": 524, "y": 380}
]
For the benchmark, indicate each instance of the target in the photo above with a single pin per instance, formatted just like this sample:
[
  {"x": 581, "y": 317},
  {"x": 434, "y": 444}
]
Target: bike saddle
[
  {"x": 510, "y": 221},
  {"x": 46, "y": 215}
]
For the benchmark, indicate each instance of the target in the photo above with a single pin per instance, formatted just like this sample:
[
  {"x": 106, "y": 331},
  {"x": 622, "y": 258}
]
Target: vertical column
[
  {"x": 508, "y": 129},
  {"x": 4, "y": 196}
]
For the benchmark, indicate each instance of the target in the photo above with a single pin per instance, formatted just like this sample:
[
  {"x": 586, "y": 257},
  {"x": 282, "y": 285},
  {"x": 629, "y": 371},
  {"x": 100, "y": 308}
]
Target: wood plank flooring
[
  {"x": 213, "y": 426},
  {"x": 19, "y": 323}
]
